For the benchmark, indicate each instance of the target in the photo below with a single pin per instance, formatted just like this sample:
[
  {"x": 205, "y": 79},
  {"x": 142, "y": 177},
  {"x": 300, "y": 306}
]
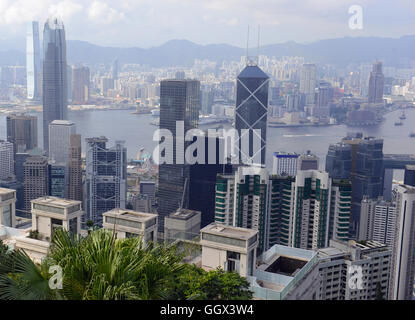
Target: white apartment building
[
  {"x": 354, "y": 271},
  {"x": 285, "y": 163},
  {"x": 378, "y": 221},
  {"x": 403, "y": 261}
]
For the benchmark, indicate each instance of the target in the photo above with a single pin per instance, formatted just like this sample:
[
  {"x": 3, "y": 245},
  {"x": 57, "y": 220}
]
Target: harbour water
[{"x": 137, "y": 131}]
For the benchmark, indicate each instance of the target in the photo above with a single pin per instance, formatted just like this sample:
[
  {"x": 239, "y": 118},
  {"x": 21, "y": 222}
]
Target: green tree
[
  {"x": 198, "y": 284},
  {"x": 101, "y": 267}
]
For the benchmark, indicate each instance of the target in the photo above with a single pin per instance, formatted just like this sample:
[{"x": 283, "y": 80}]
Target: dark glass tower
[
  {"x": 339, "y": 161},
  {"x": 179, "y": 101},
  {"x": 54, "y": 76},
  {"x": 251, "y": 113}
]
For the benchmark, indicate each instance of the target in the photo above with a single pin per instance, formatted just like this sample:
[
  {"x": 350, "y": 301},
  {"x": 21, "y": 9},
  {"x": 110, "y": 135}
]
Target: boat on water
[
  {"x": 402, "y": 117},
  {"x": 412, "y": 134},
  {"x": 398, "y": 123}
]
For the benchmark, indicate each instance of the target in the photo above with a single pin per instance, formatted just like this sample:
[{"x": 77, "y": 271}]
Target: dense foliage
[{"x": 101, "y": 267}]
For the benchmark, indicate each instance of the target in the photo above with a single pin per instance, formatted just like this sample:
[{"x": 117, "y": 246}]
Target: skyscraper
[
  {"x": 339, "y": 160},
  {"x": 80, "y": 85},
  {"x": 376, "y": 82},
  {"x": 106, "y": 177},
  {"x": 403, "y": 258},
  {"x": 378, "y": 221},
  {"x": 409, "y": 178},
  {"x": 75, "y": 168},
  {"x": 22, "y": 132},
  {"x": 33, "y": 66},
  {"x": 368, "y": 177},
  {"x": 55, "y": 85},
  {"x": 308, "y": 161},
  {"x": 60, "y": 132},
  {"x": 251, "y": 114},
  {"x": 6, "y": 160},
  {"x": 36, "y": 179},
  {"x": 179, "y": 104},
  {"x": 308, "y": 82}
]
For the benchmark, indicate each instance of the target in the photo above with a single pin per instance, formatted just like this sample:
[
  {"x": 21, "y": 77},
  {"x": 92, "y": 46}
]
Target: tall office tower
[
  {"x": 6, "y": 160},
  {"x": 403, "y": 259},
  {"x": 36, "y": 179},
  {"x": 308, "y": 161},
  {"x": 58, "y": 180},
  {"x": 60, "y": 132},
  {"x": 251, "y": 114},
  {"x": 339, "y": 161},
  {"x": 378, "y": 221},
  {"x": 376, "y": 82},
  {"x": 368, "y": 177},
  {"x": 308, "y": 82},
  {"x": 336, "y": 261},
  {"x": 207, "y": 98},
  {"x": 22, "y": 132},
  {"x": 203, "y": 179},
  {"x": 179, "y": 105},
  {"x": 55, "y": 95},
  {"x": 409, "y": 178},
  {"x": 148, "y": 188},
  {"x": 312, "y": 210},
  {"x": 285, "y": 163},
  {"x": 33, "y": 66},
  {"x": 80, "y": 85},
  {"x": 106, "y": 177},
  {"x": 115, "y": 69},
  {"x": 75, "y": 168}
]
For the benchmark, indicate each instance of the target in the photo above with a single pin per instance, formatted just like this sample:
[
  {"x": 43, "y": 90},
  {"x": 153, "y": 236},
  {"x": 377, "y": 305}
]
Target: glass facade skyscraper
[
  {"x": 179, "y": 101},
  {"x": 251, "y": 114},
  {"x": 33, "y": 66},
  {"x": 54, "y": 76},
  {"x": 106, "y": 177}
]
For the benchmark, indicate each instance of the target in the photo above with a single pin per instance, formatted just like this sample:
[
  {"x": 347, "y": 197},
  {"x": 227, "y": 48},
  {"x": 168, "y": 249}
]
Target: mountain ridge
[{"x": 397, "y": 52}]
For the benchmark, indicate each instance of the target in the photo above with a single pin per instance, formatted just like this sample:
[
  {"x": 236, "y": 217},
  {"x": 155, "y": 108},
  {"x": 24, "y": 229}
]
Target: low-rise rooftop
[
  {"x": 130, "y": 215},
  {"x": 228, "y": 231},
  {"x": 183, "y": 214},
  {"x": 56, "y": 202}
]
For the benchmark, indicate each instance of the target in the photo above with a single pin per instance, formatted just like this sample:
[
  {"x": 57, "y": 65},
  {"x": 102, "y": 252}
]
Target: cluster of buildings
[{"x": 297, "y": 232}]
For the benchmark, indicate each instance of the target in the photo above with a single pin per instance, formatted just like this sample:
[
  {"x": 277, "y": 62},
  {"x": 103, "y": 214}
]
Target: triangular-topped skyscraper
[{"x": 251, "y": 114}]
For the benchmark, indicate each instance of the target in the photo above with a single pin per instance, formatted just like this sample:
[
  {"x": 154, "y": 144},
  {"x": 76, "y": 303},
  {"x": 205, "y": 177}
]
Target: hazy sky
[{"x": 147, "y": 23}]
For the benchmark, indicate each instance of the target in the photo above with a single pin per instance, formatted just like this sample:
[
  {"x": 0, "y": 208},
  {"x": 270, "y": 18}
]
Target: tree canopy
[{"x": 101, "y": 267}]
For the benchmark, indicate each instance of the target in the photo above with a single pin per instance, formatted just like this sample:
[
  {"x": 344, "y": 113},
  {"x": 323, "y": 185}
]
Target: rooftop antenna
[
  {"x": 258, "y": 44},
  {"x": 247, "y": 46}
]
